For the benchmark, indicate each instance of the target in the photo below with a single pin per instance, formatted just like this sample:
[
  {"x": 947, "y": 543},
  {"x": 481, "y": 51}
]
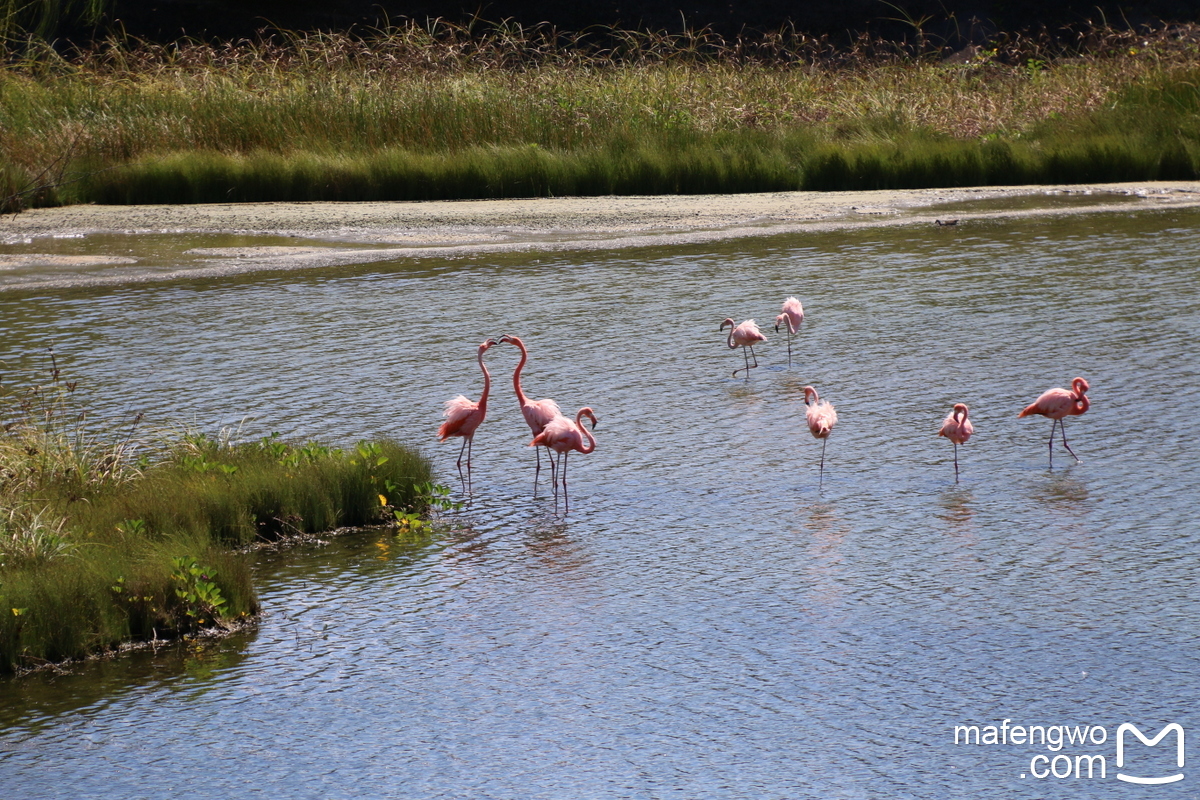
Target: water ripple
[{"x": 712, "y": 619}]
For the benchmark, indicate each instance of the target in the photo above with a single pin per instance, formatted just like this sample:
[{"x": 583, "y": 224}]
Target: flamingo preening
[
  {"x": 464, "y": 416},
  {"x": 562, "y": 436},
  {"x": 1057, "y": 404},
  {"x": 793, "y": 315},
  {"x": 821, "y": 418},
  {"x": 957, "y": 428},
  {"x": 537, "y": 413},
  {"x": 744, "y": 336}
]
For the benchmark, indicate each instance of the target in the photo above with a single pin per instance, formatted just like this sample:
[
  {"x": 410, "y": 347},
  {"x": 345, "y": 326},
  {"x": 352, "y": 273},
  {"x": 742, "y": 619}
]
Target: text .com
[{"x": 1127, "y": 744}]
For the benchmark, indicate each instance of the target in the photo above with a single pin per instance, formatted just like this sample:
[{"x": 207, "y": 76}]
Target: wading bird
[
  {"x": 537, "y": 413},
  {"x": 821, "y": 418},
  {"x": 793, "y": 315},
  {"x": 744, "y": 336},
  {"x": 464, "y": 416},
  {"x": 1057, "y": 404},
  {"x": 957, "y": 428},
  {"x": 562, "y": 436}
]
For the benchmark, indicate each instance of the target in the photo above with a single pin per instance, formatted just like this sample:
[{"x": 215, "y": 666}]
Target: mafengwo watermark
[{"x": 1083, "y": 752}]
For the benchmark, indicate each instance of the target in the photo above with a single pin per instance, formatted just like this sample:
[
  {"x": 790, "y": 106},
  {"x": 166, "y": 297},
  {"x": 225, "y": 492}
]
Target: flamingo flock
[
  {"x": 550, "y": 427},
  {"x": 1057, "y": 404},
  {"x": 561, "y": 435}
]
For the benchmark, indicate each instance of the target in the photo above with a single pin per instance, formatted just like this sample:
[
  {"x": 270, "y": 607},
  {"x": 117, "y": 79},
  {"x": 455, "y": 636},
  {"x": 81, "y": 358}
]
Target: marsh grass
[
  {"x": 108, "y": 536},
  {"x": 441, "y": 111}
]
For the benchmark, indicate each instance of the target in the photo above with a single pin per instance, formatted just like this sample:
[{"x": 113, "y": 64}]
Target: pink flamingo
[
  {"x": 744, "y": 336},
  {"x": 957, "y": 428},
  {"x": 1057, "y": 404},
  {"x": 793, "y": 315},
  {"x": 537, "y": 413},
  {"x": 562, "y": 436},
  {"x": 463, "y": 416},
  {"x": 821, "y": 418}
]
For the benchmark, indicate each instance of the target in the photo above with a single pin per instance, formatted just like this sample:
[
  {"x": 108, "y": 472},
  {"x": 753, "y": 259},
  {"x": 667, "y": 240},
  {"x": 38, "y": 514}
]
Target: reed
[
  {"x": 107, "y": 536},
  {"x": 500, "y": 111}
]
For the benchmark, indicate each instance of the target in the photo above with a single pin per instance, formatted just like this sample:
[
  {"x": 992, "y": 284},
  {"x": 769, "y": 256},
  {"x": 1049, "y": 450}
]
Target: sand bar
[{"x": 353, "y": 233}]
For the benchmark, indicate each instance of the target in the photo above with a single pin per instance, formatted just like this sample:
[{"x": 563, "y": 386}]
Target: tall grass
[
  {"x": 500, "y": 111},
  {"x": 106, "y": 537}
]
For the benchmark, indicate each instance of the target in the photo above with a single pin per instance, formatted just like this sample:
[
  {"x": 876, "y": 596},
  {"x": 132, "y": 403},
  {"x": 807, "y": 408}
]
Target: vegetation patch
[
  {"x": 441, "y": 112},
  {"x": 106, "y": 538}
]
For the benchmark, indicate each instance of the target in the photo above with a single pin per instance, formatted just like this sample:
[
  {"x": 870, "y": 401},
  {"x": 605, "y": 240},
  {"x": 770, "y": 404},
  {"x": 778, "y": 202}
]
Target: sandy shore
[{"x": 349, "y": 233}]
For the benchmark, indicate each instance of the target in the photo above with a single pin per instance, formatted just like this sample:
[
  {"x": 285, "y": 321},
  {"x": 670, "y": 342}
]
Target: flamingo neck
[
  {"x": 487, "y": 384},
  {"x": 586, "y": 434},
  {"x": 517, "y": 374},
  {"x": 729, "y": 341},
  {"x": 1081, "y": 403}
]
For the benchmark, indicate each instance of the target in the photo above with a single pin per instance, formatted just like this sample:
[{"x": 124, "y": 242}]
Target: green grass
[
  {"x": 105, "y": 538},
  {"x": 416, "y": 114}
]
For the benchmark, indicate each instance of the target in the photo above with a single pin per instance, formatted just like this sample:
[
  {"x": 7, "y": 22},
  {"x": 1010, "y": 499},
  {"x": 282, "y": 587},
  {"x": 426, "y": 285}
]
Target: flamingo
[
  {"x": 463, "y": 416},
  {"x": 562, "y": 436},
  {"x": 821, "y": 418},
  {"x": 1057, "y": 404},
  {"x": 793, "y": 315},
  {"x": 957, "y": 428},
  {"x": 537, "y": 413},
  {"x": 744, "y": 336}
]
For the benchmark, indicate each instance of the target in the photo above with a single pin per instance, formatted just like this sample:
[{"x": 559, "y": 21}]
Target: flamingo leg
[
  {"x": 1051, "y": 444},
  {"x": 745, "y": 359},
  {"x": 1062, "y": 426},
  {"x": 566, "y": 498},
  {"x": 553, "y": 473},
  {"x": 470, "y": 442},
  {"x": 956, "y": 462},
  {"x": 789, "y": 347},
  {"x": 459, "y": 463},
  {"x": 824, "y": 442},
  {"x": 537, "y": 473}
]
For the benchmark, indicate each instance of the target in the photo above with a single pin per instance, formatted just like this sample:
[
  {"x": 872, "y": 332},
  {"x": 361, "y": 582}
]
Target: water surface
[{"x": 710, "y": 620}]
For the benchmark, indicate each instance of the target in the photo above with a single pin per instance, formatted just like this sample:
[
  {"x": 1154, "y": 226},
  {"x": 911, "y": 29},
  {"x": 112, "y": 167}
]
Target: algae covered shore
[{"x": 300, "y": 236}]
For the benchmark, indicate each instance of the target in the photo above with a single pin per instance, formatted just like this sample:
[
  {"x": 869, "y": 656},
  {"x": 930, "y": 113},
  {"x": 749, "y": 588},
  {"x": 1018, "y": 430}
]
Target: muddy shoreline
[{"x": 327, "y": 234}]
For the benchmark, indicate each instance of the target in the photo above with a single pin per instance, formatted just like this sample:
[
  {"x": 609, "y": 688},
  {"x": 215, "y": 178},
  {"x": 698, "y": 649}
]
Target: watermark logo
[
  {"x": 1130, "y": 728},
  {"x": 1073, "y": 764}
]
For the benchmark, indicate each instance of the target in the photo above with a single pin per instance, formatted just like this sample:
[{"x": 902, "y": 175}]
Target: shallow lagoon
[{"x": 707, "y": 621}]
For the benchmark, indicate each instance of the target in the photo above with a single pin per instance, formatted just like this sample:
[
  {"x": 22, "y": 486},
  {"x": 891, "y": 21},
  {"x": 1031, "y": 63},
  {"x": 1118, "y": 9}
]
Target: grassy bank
[
  {"x": 106, "y": 539},
  {"x": 416, "y": 113}
]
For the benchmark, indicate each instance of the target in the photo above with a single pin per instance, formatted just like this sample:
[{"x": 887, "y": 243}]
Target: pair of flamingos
[
  {"x": 1057, "y": 404},
  {"x": 550, "y": 428},
  {"x": 747, "y": 334}
]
